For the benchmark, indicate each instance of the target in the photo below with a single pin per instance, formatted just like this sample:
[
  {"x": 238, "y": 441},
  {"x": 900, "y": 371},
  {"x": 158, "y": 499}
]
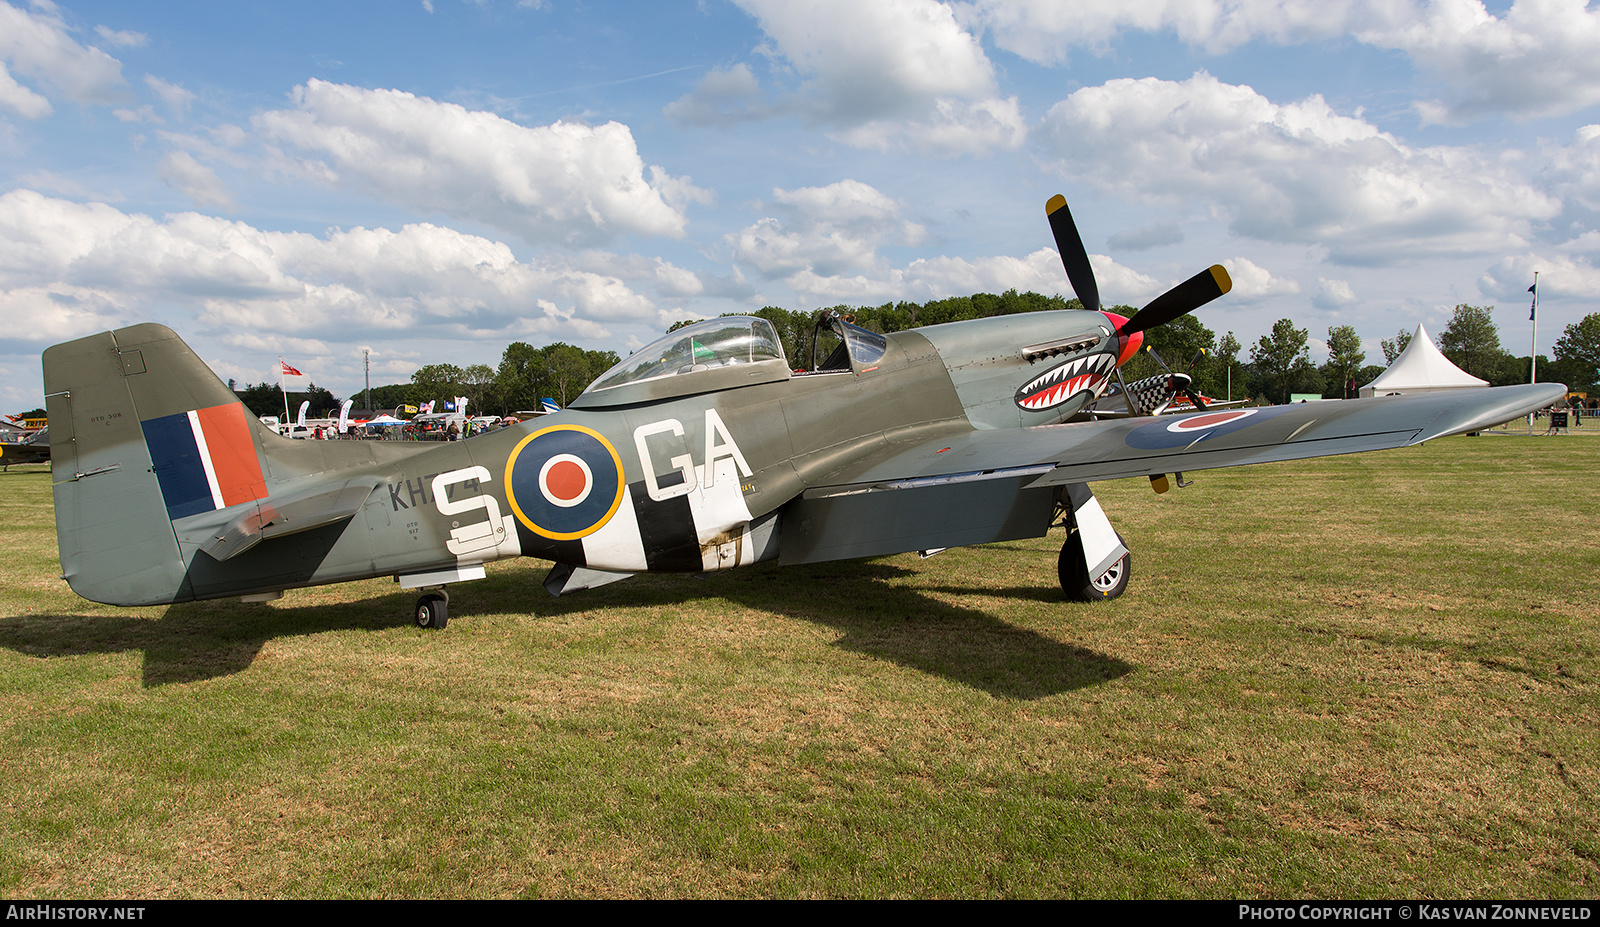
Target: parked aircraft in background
[
  {"x": 31, "y": 447},
  {"x": 702, "y": 451}
]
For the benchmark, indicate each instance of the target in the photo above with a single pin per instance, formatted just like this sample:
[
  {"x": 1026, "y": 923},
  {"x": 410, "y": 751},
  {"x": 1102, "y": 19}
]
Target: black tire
[
  {"x": 1075, "y": 579},
  {"x": 433, "y": 611}
]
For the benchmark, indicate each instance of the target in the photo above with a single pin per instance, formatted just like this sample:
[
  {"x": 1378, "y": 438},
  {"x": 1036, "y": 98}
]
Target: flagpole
[
  {"x": 1533, "y": 316},
  {"x": 283, "y": 391}
]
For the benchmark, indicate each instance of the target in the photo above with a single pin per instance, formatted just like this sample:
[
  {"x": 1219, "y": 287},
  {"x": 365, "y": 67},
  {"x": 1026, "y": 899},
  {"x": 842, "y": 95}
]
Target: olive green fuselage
[{"x": 691, "y": 472}]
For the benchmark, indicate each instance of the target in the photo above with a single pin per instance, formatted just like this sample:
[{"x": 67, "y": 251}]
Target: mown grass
[{"x": 1371, "y": 676}]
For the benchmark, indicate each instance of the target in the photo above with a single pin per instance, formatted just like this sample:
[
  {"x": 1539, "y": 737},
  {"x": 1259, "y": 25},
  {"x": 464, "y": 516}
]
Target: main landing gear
[
  {"x": 433, "y": 610},
  {"x": 1095, "y": 564},
  {"x": 1079, "y": 585}
]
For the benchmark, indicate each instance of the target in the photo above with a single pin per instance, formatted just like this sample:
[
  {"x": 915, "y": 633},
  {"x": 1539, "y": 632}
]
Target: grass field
[{"x": 1371, "y": 676}]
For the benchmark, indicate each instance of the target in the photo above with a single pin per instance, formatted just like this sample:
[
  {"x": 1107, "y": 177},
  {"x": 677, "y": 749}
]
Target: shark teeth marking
[{"x": 1065, "y": 381}]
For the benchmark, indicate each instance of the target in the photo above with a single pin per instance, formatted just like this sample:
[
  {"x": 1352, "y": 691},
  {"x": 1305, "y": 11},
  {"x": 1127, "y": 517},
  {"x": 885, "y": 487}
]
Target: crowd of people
[{"x": 444, "y": 429}]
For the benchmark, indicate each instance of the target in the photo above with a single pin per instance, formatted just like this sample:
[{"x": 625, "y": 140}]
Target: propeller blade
[
  {"x": 1181, "y": 300},
  {"x": 1194, "y": 397},
  {"x": 1150, "y": 349},
  {"x": 1074, "y": 257}
]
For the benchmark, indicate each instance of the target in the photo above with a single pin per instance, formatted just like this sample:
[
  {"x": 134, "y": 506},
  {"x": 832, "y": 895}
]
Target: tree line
[{"x": 1276, "y": 366}]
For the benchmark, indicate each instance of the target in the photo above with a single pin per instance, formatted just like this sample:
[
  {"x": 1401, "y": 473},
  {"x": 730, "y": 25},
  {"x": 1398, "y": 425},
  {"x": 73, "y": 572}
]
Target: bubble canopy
[{"x": 715, "y": 354}]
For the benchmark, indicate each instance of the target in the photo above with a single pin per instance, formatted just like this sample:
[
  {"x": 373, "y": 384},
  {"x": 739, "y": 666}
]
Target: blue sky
[{"x": 432, "y": 180}]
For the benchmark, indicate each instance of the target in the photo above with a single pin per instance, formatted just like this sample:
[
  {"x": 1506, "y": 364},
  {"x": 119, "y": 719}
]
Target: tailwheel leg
[{"x": 433, "y": 610}]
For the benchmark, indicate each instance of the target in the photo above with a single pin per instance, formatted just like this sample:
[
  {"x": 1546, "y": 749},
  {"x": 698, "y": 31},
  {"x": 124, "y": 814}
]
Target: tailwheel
[
  {"x": 433, "y": 610},
  {"x": 1079, "y": 585}
]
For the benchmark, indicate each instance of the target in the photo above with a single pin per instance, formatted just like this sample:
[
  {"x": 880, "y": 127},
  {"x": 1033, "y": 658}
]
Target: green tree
[
  {"x": 392, "y": 396},
  {"x": 520, "y": 376},
  {"x": 1396, "y": 346},
  {"x": 441, "y": 382},
  {"x": 1578, "y": 354},
  {"x": 794, "y": 331},
  {"x": 1283, "y": 358},
  {"x": 1368, "y": 373},
  {"x": 322, "y": 401},
  {"x": 267, "y": 399},
  {"x": 566, "y": 371},
  {"x": 1472, "y": 342},
  {"x": 262, "y": 399},
  {"x": 1345, "y": 357},
  {"x": 1228, "y": 361},
  {"x": 478, "y": 387},
  {"x": 599, "y": 362}
]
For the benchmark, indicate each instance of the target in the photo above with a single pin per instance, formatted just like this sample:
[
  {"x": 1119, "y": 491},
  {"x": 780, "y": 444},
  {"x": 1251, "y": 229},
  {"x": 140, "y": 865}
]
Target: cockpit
[
  {"x": 717, "y": 354},
  {"x": 726, "y": 353},
  {"x": 843, "y": 345},
  {"x": 723, "y": 342}
]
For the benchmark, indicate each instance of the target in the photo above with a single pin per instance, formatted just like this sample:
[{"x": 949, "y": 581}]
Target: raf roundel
[
  {"x": 564, "y": 481},
  {"x": 1193, "y": 423},
  {"x": 1186, "y": 430}
]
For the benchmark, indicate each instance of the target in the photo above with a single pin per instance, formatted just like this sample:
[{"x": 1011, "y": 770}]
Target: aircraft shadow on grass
[{"x": 868, "y": 603}]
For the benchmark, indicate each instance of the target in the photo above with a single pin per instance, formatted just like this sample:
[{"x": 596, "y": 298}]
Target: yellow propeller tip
[
  {"x": 1054, "y": 203},
  {"x": 1220, "y": 274}
]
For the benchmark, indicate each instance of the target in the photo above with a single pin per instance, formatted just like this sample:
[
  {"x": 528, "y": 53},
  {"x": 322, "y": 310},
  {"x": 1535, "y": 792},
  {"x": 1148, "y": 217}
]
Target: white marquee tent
[{"x": 1421, "y": 368}]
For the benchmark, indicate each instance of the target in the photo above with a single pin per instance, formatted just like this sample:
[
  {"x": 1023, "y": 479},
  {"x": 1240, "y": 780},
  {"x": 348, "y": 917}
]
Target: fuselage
[
  {"x": 676, "y": 478},
  {"x": 683, "y": 461}
]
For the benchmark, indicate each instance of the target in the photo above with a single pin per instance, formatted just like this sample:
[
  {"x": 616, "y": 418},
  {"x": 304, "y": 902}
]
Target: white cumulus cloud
[
  {"x": 1538, "y": 58},
  {"x": 886, "y": 75},
  {"x": 567, "y": 183},
  {"x": 37, "y": 44},
  {"x": 1333, "y": 294},
  {"x": 1294, "y": 172},
  {"x": 180, "y": 170},
  {"x": 825, "y": 232},
  {"x": 109, "y": 268}
]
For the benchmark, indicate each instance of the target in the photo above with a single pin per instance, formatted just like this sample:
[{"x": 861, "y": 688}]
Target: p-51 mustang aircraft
[{"x": 702, "y": 451}]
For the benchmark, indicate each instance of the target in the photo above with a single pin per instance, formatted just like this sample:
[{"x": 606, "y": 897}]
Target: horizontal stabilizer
[{"x": 283, "y": 517}]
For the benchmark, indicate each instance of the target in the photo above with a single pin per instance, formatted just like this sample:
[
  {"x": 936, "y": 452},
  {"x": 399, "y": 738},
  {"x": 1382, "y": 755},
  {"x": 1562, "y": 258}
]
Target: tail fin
[{"x": 142, "y": 434}]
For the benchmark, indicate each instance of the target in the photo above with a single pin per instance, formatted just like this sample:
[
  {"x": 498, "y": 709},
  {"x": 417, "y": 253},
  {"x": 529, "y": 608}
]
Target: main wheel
[
  {"x": 1079, "y": 585},
  {"x": 433, "y": 611}
]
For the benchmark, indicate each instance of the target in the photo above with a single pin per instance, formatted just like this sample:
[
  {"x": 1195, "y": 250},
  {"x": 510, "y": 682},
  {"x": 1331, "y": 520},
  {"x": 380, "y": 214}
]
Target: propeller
[
  {"x": 1182, "y": 299},
  {"x": 1181, "y": 382}
]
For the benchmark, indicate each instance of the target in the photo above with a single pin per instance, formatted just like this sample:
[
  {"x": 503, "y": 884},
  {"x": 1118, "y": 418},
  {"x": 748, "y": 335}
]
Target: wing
[
  {"x": 976, "y": 487},
  {"x": 1103, "y": 450}
]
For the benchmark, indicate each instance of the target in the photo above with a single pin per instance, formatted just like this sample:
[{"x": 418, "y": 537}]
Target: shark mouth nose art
[{"x": 1065, "y": 381}]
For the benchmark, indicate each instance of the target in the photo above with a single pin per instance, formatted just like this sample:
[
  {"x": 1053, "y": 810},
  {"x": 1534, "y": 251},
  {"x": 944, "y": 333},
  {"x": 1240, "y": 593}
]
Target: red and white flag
[{"x": 290, "y": 378}]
